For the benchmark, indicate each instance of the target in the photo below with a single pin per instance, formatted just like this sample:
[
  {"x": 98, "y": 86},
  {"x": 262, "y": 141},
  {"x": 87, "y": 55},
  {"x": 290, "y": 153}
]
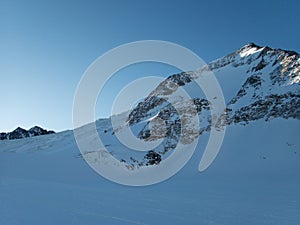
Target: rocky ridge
[
  {"x": 20, "y": 133},
  {"x": 270, "y": 90}
]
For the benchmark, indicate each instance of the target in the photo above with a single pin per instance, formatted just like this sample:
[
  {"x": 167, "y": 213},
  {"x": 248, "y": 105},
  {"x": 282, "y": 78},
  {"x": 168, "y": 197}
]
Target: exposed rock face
[
  {"x": 270, "y": 89},
  {"x": 271, "y": 81},
  {"x": 37, "y": 131},
  {"x": 22, "y": 133}
]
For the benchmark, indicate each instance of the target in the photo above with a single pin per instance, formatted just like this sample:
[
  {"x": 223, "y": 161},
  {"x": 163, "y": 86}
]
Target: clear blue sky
[{"x": 45, "y": 46}]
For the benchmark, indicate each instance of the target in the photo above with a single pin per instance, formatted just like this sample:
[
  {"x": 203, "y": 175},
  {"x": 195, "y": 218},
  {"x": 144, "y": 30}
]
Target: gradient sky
[{"x": 45, "y": 46}]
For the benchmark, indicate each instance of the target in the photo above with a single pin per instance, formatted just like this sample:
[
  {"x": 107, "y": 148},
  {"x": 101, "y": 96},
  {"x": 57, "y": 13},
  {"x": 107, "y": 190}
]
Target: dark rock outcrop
[{"x": 19, "y": 133}]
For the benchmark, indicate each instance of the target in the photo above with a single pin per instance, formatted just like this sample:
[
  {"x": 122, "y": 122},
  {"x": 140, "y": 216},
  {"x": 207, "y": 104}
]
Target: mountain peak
[
  {"x": 259, "y": 83},
  {"x": 251, "y": 45},
  {"x": 249, "y": 49},
  {"x": 19, "y": 129},
  {"x": 253, "y": 48},
  {"x": 20, "y": 132}
]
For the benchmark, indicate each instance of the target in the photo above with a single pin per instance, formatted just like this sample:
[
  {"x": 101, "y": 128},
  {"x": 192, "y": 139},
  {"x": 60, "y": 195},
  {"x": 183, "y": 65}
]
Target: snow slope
[{"x": 254, "y": 179}]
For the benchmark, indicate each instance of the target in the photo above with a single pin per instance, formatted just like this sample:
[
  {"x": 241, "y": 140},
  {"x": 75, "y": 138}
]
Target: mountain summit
[
  {"x": 258, "y": 83},
  {"x": 20, "y": 133}
]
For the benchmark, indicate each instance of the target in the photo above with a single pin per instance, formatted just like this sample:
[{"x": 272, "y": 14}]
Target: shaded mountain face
[
  {"x": 19, "y": 133},
  {"x": 259, "y": 83}
]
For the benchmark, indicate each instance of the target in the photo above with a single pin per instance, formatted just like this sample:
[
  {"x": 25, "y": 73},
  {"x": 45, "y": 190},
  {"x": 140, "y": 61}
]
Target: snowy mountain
[
  {"x": 254, "y": 179},
  {"x": 19, "y": 133},
  {"x": 259, "y": 83},
  {"x": 269, "y": 81}
]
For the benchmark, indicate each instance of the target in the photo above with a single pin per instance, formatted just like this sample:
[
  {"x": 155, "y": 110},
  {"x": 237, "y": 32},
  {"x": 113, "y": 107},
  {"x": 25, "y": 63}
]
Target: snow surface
[
  {"x": 254, "y": 180},
  {"x": 250, "y": 51}
]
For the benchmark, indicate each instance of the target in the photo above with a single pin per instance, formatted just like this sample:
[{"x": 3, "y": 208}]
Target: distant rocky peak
[
  {"x": 20, "y": 133},
  {"x": 20, "y": 130}
]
